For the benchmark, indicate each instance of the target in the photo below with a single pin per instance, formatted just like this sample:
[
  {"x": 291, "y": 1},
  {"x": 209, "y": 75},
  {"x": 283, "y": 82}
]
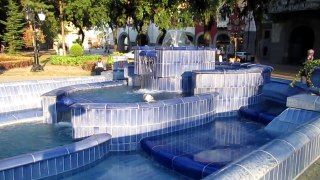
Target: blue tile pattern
[
  {"x": 17, "y": 116},
  {"x": 52, "y": 162},
  {"x": 304, "y": 101},
  {"x": 283, "y": 158},
  {"x": 130, "y": 122},
  {"x": 50, "y": 99},
  {"x": 24, "y": 95},
  {"x": 238, "y": 86},
  {"x": 289, "y": 120},
  {"x": 162, "y": 68}
]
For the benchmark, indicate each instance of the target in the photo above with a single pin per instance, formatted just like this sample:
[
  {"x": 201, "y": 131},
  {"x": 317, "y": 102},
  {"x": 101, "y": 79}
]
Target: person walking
[{"x": 309, "y": 57}]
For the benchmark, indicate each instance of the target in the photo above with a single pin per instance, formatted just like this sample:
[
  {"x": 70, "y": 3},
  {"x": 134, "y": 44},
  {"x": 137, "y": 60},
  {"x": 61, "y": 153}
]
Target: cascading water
[
  {"x": 176, "y": 38},
  {"x": 161, "y": 68}
]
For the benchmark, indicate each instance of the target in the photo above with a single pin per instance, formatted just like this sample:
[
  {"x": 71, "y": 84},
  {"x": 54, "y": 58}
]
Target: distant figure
[
  {"x": 309, "y": 57},
  {"x": 148, "y": 98},
  {"x": 2, "y": 48},
  {"x": 99, "y": 67},
  {"x": 220, "y": 58}
]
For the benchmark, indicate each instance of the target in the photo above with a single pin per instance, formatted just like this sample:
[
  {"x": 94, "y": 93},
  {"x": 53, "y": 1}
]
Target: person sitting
[{"x": 99, "y": 67}]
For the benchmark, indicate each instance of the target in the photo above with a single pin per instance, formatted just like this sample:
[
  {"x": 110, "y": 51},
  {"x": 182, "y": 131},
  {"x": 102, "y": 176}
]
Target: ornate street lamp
[
  {"x": 30, "y": 17},
  {"x": 236, "y": 27}
]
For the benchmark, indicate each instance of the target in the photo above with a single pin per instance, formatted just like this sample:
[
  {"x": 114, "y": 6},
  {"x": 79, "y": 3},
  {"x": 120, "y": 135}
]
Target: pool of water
[
  {"x": 125, "y": 166},
  {"x": 25, "y": 138},
  {"x": 218, "y": 143},
  {"x": 119, "y": 94}
]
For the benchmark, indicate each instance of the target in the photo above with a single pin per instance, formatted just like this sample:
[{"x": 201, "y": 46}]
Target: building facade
[{"x": 293, "y": 29}]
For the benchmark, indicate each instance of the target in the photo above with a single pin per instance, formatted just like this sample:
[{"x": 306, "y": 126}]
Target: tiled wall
[
  {"x": 49, "y": 99},
  {"x": 279, "y": 89},
  {"x": 15, "y": 96},
  {"x": 130, "y": 122},
  {"x": 283, "y": 158},
  {"x": 162, "y": 68},
  {"x": 295, "y": 147},
  {"x": 56, "y": 161},
  {"x": 237, "y": 87}
]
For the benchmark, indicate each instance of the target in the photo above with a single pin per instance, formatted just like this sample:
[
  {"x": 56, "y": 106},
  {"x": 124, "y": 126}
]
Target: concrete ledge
[
  {"x": 304, "y": 101},
  {"x": 56, "y": 161}
]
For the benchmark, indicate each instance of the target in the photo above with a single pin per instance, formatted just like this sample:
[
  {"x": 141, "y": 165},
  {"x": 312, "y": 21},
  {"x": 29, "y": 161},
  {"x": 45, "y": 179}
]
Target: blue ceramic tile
[
  {"x": 36, "y": 170},
  {"x": 44, "y": 169},
  {"x": 59, "y": 165},
  {"x": 86, "y": 156},
  {"x": 80, "y": 159},
  {"x": 52, "y": 167},
  {"x": 67, "y": 163},
  {"x": 18, "y": 173}
]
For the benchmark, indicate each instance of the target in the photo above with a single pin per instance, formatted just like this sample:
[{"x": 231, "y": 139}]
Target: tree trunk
[
  {"x": 82, "y": 34},
  {"x": 115, "y": 39},
  {"x": 62, "y": 27},
  {"x": 257, "y": 41},
  {"x": 207, "y": 33}
]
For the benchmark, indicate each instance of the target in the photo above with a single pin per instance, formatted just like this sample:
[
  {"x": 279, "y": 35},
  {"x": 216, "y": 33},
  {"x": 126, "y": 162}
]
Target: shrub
[
  {"x": 15, "y": 64},
  {"x": 73, "y": 61},
  {"x": 10, "y": 61},
  {"x": 88, "y": 65},
  {"x": 76, "y": 50},
  {"x": 13, "y": 58}
]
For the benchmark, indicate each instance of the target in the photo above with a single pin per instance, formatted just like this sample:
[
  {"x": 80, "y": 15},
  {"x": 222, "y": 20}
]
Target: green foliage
[
  {"x": 85, "y": 14},
  {"x": 14, "y": 28},
  {"x": 308, "y": 68},
  {"x": 76, "y": 50},
  {"x": 110, "y": 60},
  {"x": 72, "y": 61}
]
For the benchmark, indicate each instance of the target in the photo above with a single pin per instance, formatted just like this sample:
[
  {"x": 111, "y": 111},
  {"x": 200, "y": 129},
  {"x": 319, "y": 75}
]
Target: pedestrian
[{"x": 309, "y": 57}]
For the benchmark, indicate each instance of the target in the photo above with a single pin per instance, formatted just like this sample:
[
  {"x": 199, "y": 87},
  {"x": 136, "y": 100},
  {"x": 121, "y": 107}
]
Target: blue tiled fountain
[{"x": 232, "y": 120}]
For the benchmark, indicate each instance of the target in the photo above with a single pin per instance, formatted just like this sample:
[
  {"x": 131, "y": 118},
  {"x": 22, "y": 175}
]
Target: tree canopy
[
  {"x": 166, "y": 14},
  {"x": 14, "y": 28}
]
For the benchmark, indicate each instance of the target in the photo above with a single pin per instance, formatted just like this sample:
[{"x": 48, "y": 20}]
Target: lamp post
[
  {"x": 33, "y": 20},
  {"x": 235, "y": 27}
]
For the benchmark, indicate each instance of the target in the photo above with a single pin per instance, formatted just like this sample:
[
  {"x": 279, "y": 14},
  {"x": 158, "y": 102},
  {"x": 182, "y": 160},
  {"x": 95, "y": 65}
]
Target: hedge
[
  {"x": 73, "y": 61},
  {"x": 15, "y": 64},
  {"x": 13, "y": 58}
]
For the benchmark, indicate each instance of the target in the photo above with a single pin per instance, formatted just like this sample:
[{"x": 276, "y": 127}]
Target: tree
[
  {"x": 258, "y": 9},
  {"x": 14, "y": 27},
  {"x": 205, "y": 12},
  {"x": 49, "y": 27},
  {"x": 3, "y": 16},
  {"x": 85, "y": 14}
]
